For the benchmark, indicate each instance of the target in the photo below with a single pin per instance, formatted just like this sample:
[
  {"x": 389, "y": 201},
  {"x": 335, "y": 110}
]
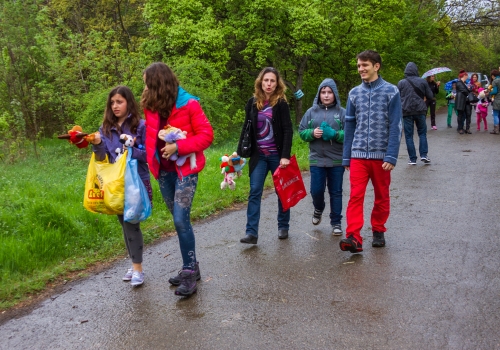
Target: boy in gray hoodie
[{"x": 322, "y": 127}]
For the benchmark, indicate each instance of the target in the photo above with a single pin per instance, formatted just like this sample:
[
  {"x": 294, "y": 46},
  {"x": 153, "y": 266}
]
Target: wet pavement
[{"x": 434, "y": 286}]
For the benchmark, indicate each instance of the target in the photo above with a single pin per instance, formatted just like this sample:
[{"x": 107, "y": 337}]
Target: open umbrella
[
  {"x": 435, "y": 71},
  {"x": 447, "y": 86}
]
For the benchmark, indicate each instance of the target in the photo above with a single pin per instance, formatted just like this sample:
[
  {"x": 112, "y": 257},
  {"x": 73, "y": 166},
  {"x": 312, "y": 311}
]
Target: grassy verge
[{"x": 46, "y": 234}]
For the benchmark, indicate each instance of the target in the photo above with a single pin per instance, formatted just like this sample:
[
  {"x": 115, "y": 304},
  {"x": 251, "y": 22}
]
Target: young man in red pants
[{"x": 372, "y": 135}]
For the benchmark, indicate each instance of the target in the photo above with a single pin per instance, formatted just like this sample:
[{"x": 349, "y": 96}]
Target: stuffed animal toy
[
  {"x": 77, "y": 137},
  {"x": 231, "y": 168},
  {"x": 170, "y": 134},
  {"x": 330, "y": 133}
]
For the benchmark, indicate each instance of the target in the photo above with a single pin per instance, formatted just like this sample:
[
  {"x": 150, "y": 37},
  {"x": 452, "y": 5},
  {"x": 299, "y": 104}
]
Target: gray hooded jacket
[
  {"x": 411, "y": 102},
  {"x": 323, "y": 153}
]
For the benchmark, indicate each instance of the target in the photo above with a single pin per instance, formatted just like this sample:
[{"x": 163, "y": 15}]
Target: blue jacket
[
  {"x": 373, "y": 122},
  {"x": 110, "y": 144}
]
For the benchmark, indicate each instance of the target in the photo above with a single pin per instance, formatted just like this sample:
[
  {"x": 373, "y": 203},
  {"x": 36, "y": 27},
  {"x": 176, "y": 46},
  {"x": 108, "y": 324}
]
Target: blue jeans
[
  {"x": 178, "y": 196},
  {"x": 419, "y": 121},
  {"x": 257, "y": 178},
  {"x": 333, "y": 178},
  {"x": 495, "y": 116}
]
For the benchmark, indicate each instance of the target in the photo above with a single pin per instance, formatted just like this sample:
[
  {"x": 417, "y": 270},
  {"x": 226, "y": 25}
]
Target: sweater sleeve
[
  {"x": 286, "y": 123},
  {"x": 395, "y": 129},
  {"x": 349, "y": 129},
  {"x": 203, "y": 133},
  {"x": 305, "y": 128},
  {"x": 100, "y": 150},
  {"x": 139, "y": 153}
]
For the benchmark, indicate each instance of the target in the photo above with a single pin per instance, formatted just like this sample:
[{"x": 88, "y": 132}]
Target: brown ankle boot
[{"x": 495, "y": 130}]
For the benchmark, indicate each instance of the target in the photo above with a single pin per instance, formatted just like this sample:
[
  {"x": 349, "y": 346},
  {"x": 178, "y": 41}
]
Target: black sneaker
[
  {"x": 249, "y": 239},
  {"x": 350, "y": 244},
  {"x": 316, "y": 219},
  {"x": 378, "y": 239},
  {"x": 176, "y": 280},
  {"x": 426, "y": 160}
]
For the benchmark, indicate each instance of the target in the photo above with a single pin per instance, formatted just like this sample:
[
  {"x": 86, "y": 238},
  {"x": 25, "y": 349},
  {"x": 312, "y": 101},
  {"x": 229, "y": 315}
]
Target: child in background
[
  {"x": 451, "y": 102},
  {"x": 482, "y": 110},
  {"x": 121, "y": 116}
]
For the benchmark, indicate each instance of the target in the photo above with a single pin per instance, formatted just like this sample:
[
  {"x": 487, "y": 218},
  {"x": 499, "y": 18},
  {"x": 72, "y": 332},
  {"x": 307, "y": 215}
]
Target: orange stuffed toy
[{"x": 77, "y": 137}]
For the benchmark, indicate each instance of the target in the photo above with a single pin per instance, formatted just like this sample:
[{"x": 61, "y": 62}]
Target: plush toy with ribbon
[
  {"x": 77, "y": 137},
  {"x": 170, "y": 134},
  {"x": 231, "y": 168}
]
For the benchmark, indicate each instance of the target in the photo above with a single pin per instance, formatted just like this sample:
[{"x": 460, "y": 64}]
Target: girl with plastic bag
[{"x": 121, "y": 116}]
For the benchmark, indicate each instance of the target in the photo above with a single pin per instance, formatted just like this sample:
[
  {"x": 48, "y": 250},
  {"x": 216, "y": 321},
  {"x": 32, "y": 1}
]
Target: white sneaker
[
  {"x": 316, "y": 219},
  {"x": 337, "y": 230},
  {"x": 426, "y": 160}
]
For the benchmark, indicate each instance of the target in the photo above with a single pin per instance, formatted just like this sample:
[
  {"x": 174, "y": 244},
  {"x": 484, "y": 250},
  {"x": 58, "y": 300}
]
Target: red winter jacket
[{"x": 188, "y": 117}]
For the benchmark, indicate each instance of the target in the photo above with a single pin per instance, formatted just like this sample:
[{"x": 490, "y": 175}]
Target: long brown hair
[
  {"x": 278, "y": 93},
  {"x": 160, "y": 93},
  {"x": 110, "y": 120}
]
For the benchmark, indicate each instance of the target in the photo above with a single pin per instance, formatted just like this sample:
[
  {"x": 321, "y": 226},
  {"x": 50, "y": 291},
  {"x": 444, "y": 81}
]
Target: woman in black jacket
[
  {"x": 431, "y": 103},
  {"x": 271, "y": 133},
  {"x": 461, "y": 104}
]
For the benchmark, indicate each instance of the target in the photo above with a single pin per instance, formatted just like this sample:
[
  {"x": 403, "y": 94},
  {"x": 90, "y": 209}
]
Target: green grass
[{"x": 46, "y": 234}]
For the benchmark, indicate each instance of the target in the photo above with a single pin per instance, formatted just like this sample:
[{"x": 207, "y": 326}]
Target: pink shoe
[{"x": 434, "y": 127}]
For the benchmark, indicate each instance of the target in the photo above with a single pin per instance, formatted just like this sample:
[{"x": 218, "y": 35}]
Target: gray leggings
[{"x": 133, "y": 239}]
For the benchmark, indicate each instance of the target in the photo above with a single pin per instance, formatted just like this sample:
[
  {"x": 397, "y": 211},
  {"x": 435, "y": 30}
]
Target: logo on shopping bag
[
  {"x": 96, "y": 192},
  {"x": 289, "y": 182}
]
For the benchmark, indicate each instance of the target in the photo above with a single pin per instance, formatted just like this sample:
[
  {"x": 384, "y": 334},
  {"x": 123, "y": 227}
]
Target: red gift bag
[{"x": 289, "y": 185}]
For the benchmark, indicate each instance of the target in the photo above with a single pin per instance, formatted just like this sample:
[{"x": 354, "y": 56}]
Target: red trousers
[{"x": 362, "y": 170}]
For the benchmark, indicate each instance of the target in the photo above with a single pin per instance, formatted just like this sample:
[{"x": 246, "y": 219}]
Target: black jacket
[
  {"x": 411, "y": 102},
  {"x": 461, "y": 98},
  {"x": 282, "y": 128}
]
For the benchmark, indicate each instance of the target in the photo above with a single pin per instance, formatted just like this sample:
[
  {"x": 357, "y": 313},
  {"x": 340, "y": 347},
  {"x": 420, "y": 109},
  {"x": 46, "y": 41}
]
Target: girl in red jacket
[{"x": 165, "y": 102}]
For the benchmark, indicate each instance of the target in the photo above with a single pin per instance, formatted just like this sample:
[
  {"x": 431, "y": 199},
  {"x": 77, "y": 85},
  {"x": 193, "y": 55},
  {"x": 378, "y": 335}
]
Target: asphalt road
[{"x": 434, "y": 286}]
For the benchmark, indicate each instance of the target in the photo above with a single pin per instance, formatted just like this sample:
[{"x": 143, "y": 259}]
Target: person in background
[
  {"x": 431, "y": 103},
  {"x": 450, "y": 97},
  {"x": 322, "y": 127},
  {"x": 482, "y": 109},
  {"x": 271, "y": 138},
  {"x": 371, "y": 146},
  {"x": 413, "y": 90},
  {"x": 121, "y": 116},
  {"x": 166, "y": 103},
  {"x": 495, "y": 101},
  {"x": 461, "y": 103}
]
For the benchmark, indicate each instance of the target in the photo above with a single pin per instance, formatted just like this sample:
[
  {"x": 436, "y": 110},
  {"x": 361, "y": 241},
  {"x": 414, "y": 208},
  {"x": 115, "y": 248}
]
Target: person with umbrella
[{"x": 431, "y": 102}]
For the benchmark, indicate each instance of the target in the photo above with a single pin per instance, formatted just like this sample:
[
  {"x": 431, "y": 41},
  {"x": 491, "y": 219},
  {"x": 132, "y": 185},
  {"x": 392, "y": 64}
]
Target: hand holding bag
[
  {"x": 289, "y": 185},
  {"x": 137, "y": 204},
  {"x": 104, "y": 186}
]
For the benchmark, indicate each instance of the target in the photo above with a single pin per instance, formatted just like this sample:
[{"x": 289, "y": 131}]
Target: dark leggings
[
  {"x": 133, "y": 239},
  {"x": 431, "y": 104}
]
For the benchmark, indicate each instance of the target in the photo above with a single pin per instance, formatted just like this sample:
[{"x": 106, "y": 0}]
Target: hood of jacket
[
  {"x": 183, "y": 97},
  {"x": 331, "y": 84},
  {"x": 411, "y": 70}
]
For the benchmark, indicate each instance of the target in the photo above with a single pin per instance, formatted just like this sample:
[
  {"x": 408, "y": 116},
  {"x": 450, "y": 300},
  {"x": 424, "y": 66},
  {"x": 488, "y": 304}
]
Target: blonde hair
[{"x": 278, "y": 93}]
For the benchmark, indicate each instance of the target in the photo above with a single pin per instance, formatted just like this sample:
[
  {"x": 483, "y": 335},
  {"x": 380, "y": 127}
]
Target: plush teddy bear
[
  {"x": 77, "y": 137},
  {"x": 231, "y": 168},
  {"x": 170, "y": 134}
]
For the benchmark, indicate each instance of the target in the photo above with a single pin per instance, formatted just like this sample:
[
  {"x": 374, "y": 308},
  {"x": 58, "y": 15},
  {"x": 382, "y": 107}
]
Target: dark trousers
[
  {"x": 431, "y": 104},
  {"x": 464, "y": 117}
]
